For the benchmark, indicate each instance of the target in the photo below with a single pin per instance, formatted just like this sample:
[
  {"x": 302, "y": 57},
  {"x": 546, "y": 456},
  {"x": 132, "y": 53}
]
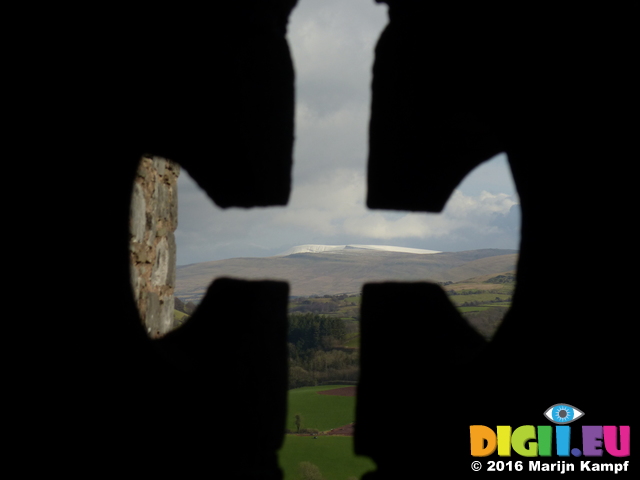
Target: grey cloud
[
  {"x": 509, "y": 222},
  {"x": 332, "y": 44}
]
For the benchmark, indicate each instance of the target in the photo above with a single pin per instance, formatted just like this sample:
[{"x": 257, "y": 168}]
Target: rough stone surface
[
  {"x": 153, "y": 220},
  {"x": 138, "y": 209}
]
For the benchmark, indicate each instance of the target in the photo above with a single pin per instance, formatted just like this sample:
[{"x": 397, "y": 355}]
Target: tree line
[
  {"x": 315, "y": 353},
  {"x": 309, "y": 332}
]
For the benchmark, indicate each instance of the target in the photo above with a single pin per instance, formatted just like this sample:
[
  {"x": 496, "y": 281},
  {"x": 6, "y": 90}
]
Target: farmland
[
  {"x": 314, "y": 417},
  {"x": 319, "y": 412},
  {"x": 482, "y": 300},
  {"x": 321, "y": 415},
  {"x": 323, "y": 343},
  {"x": 333, "y": 455}
]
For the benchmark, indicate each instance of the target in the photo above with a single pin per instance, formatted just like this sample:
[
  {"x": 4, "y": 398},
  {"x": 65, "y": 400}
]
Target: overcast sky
[{"x": 332, "y": 43}]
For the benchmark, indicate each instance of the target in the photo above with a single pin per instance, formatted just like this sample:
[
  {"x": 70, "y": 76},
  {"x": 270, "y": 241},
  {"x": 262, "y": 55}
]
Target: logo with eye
[{"x": 563, "y": 413}]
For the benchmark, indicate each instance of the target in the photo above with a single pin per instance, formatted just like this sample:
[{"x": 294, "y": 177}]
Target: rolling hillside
[{"x": 345, "y": 270}]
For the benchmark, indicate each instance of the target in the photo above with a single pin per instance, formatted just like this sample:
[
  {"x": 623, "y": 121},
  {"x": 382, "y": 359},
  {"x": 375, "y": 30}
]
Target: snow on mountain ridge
[{"x": 311, "y": 248}]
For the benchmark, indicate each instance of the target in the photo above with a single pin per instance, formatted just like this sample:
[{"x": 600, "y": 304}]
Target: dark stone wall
[{"x": 215, "y": 94}]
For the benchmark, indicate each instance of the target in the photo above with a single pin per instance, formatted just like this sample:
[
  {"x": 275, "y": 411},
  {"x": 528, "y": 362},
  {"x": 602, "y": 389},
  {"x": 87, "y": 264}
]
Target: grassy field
[
  {"x": 353, "y": 341},
  {"x": 332, "y": 454},
  {"x": 321, "y": 412},
  {"x": 179, "y": 315},
  {"x": 480, "y": 308},
  {"x": 478, "y": 297}
]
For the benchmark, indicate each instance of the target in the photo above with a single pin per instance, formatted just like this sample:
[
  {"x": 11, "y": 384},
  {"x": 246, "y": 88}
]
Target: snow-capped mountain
[
  {"x": 333, "y": 269},
  {"x": 352, "y": 249}
]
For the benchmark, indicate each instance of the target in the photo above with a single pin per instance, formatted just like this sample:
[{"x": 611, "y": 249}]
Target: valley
[{"x": 324, "y": 325}]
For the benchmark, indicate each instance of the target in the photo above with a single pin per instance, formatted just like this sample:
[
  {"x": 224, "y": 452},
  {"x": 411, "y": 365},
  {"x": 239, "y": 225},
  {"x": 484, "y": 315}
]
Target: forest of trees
[
  {"x": 309, "y": 332},
  {"x": 323, "y": 330},
  {"x": 315, "y": 352}
]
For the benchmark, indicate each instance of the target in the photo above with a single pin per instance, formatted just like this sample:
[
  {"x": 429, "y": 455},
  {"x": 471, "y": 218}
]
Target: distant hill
[
  {"x": 352, "y": 249},
  {"x": 344, "y": 270}
]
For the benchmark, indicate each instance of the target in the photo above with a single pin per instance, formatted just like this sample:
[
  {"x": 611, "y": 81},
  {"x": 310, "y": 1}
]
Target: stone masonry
[{"x": 153, "y": 220}]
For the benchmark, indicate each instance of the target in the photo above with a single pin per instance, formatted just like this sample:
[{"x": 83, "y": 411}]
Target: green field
[
  {"x": 179, "y": 315},
  {"x": 478, "y": 297},
  {"x": 353, "y": 341},
  {"x": 481, "y": 308},
  {"x": 332, "y": 454},
  {"x": 320, "y": 412}
]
